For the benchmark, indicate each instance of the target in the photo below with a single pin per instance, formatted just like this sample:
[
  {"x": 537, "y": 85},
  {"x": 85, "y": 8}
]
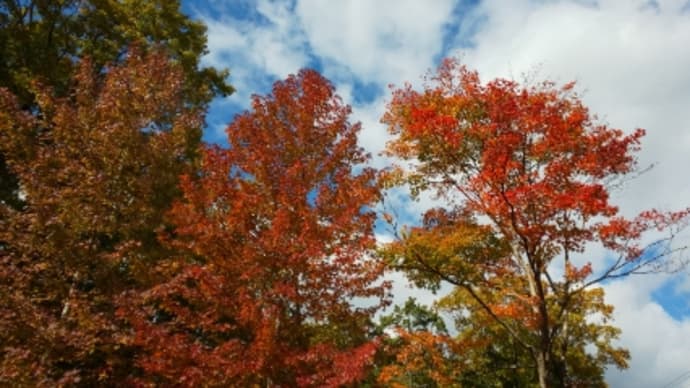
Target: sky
[{"x": 630, "y": 59}]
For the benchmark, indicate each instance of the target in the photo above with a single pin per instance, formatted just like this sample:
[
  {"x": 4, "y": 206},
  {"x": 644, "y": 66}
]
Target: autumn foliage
[
  {"x": 43, "y": 40},
  {"x": 535, "y": 167},
  {"x": 417, "y": 349},
  {"x": 273, "y": 236},
  {"x": 98, "y": 170},
  {"x": 133, "y": 254}
]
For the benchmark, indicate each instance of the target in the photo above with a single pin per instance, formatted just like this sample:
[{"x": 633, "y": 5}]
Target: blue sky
[
  {"x": 629, "y": 57},
  {"x": 247, "y": 15}
]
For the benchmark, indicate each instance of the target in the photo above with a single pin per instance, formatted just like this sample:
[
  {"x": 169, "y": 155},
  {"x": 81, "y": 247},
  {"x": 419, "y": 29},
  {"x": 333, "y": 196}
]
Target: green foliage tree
[{"x": 413, "y": 316}]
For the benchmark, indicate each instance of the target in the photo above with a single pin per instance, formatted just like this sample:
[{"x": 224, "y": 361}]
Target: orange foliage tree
[
  {"x": 273, "y": 235},
  {"x": 417, "y": 350},
  {"x": 526, "y": 171}
]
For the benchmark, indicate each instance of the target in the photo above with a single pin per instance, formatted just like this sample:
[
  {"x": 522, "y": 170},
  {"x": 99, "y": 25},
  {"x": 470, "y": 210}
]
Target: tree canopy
[
  {"x": 525, "y": 171},
  {"x": 98, "y": 169},
  {"x": 274, "y": 240},
  {"x": 43, "y": 40}
]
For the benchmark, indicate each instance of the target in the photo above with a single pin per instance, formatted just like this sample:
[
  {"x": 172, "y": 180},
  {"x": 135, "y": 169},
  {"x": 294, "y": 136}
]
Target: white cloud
[
  {"x": 274, "y": 49},
  {"x": 659, "y": 345},
  {"x": 378, "y": 41}
]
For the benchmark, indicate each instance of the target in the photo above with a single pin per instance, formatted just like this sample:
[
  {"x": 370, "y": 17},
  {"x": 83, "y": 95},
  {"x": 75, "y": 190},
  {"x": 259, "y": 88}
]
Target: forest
[{"x": 132, "y": 253}]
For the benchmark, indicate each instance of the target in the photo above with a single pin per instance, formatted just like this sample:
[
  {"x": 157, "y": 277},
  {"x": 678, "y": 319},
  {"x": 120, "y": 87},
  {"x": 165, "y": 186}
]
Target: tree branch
[{"x": 475, "y": 296}]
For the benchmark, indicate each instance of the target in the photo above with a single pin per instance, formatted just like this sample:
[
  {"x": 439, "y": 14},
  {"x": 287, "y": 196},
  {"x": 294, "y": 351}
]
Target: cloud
[
  {"x": 257, "y": 53},
  {"x": 659, "y": 345},
  {"x": 376, "y": 41}
]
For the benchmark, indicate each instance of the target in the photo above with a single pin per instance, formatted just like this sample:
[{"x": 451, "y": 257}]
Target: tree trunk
[
  {"x": 542, "y": 372},
  {"x": 544, "y": 348}
]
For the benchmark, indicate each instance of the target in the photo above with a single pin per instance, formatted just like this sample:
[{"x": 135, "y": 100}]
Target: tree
[
  {"x": 450, "y": 246},
  {"x": 535, "y": 168},
  {"x": 417, "y": 350},
  {"x": 99, "y": 168},
  {"x": 273, "y": 236},
  {"x": 42, "y": 40}
]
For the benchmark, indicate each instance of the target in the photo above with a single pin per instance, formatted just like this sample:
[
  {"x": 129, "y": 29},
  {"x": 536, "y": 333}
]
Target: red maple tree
[
  {"x": 529, "y": 168},
  {"x": 274, "y": 234}
]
